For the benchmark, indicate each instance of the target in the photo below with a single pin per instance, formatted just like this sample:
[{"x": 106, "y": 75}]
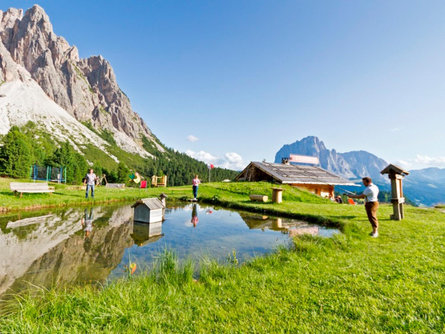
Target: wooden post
[
  {"x": 396, "y": 175},
  {"x": 277, "y": 195}
]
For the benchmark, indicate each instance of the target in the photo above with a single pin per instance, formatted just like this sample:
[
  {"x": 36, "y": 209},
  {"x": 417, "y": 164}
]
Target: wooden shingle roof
[
  {"x": 393, "y": 168},
  {"x": 151, "y": 203},
  {"x": 298, "y": 174}
]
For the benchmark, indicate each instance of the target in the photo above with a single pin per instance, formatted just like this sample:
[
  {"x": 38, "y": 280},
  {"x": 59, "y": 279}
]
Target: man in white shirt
[
  {"x": 370, "y": 194},
  {"x": 90, "y": 181}
]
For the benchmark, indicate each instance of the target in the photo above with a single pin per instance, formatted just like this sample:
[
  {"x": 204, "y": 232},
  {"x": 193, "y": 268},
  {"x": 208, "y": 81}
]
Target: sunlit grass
[{"x": 350, "y": 283}]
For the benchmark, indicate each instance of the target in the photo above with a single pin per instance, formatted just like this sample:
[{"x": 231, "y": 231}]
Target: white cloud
[
  {"x": 202, "y": 156},
  {"x": 234, "y": 161},
  {"x": 231, "y": 160},
  {"x": 423, "y": 161},
  {"x": 192, "y": 138}
]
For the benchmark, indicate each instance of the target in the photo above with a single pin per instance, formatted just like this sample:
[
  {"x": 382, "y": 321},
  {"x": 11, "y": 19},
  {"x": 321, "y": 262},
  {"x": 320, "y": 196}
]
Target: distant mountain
[
  {"x": 42, "y": 79},
  {"x": 426, "y": 186},
  {"x": 423, "y": 187},
  {"x": 351, "y": 165}
]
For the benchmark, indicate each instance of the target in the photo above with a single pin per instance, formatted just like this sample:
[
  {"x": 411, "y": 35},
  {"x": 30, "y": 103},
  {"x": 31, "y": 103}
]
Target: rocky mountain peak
[
  {"x": 352, "y": 165},
  {"x": 36, "y": 15},
  {"x": 9, "y": 17},
  {"x": 86, "y": 88},
  {"x": 313, "y": 142}
]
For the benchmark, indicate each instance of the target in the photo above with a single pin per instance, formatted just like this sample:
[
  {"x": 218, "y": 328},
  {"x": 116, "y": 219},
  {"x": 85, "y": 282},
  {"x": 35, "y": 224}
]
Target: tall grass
[{"x": 346, "y": 284}]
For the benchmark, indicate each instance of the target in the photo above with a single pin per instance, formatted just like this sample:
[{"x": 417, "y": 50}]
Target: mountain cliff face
[
  {"x": 351, "y": 165},
  {"x": 30, "y": 52}
]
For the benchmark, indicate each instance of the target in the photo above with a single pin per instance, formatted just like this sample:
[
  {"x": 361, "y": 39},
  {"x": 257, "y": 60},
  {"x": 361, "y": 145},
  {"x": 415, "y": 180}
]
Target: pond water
[{"x": 94, "y": 244}]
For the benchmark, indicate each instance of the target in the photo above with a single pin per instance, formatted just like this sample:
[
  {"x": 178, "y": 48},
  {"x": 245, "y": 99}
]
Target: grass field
[
  {"x": 348, "y": 283},
  {"x": 66, "y": 195}
]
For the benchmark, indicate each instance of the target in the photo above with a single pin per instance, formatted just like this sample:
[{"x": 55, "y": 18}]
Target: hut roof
[
  {"x": 297, "y": 174},
  {"x": 395, "y": 169},
  {"x": 151, "y": 203}
]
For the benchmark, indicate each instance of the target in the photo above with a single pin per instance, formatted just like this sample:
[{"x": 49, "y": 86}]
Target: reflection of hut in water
[
  {"x": 312, "y": 230},
  {"x": 148, "y": 210},
  {"x": 278, "y": 224},
  {"x": 144, "y": 233}
]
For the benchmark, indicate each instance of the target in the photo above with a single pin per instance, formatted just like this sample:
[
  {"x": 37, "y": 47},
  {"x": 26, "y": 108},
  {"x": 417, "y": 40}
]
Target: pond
[{"x": 94, "y": 244}]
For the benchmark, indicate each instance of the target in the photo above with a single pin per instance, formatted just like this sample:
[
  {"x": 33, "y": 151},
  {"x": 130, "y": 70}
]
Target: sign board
[{"x": 304, "y": 159}]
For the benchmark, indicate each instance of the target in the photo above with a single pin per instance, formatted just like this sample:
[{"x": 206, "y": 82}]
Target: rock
[{"x": 85, "y": 88}]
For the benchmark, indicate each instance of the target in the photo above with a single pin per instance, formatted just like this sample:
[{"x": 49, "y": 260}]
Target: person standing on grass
[
  {"x": 370, "y": 194},
  {"x": 196, "y": 182},
  {"x": 90, "y": 181}
]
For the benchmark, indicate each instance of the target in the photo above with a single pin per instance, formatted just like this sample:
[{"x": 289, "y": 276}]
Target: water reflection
[
  {"x": 87, "y": 222},
  {"x": 144, "y": 233},
  {"x": 54, "y": 249},
  {"x": 195, "y": 219}
]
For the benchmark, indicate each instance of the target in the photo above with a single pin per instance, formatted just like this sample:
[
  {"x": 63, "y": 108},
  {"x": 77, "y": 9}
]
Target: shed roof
[
  {"x": 151, "y": 203},
  {"x": 298, "y": 174},
  {"x": 395, "y": 169}
]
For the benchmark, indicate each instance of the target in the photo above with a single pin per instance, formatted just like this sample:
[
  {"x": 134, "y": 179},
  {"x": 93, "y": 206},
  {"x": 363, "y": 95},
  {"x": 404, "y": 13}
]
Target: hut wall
[
  {"x": 143, "y": 214},
  {"x": 254, "y": 174},
  {"x": 322, "y": 190},
  {"x": 156, "y": 215}
]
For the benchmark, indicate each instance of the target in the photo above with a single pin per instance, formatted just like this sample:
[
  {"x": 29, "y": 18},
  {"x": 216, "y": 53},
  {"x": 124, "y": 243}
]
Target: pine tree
[{"x": 16, "y": 154}]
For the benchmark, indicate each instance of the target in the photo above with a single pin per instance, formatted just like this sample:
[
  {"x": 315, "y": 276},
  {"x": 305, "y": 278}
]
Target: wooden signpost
[{"x": 396, "y": 175}]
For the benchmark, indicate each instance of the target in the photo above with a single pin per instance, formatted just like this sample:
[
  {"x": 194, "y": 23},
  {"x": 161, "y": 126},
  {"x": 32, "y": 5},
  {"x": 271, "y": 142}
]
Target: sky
[{"x": 232, "y": 81}]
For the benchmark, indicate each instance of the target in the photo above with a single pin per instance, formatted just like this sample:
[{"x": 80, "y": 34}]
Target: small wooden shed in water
[
  {"x": 311, "y": 178},
  {"x": 148, "y": 210}
]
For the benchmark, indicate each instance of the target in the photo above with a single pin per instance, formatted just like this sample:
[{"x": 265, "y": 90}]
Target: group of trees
[{"x": 23, "y": 147}]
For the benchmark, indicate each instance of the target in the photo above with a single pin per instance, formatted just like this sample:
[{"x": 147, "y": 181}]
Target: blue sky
[{"x": 246, "y": 77}]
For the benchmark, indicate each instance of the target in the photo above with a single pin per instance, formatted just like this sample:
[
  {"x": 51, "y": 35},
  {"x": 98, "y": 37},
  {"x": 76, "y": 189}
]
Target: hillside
[
  {"x": 85, "y": 88},
  {"x": 55, "y": 98}
]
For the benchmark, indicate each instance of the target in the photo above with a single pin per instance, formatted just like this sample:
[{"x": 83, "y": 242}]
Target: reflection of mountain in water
[{"x": 53, "y": 249}]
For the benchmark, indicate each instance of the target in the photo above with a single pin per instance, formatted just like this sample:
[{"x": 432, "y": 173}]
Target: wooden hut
[
  {"x": 311, "y": 178},
  {"x": 148, "y": 210}
]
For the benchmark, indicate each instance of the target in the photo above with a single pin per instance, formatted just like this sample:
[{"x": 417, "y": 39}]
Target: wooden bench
[
  {"x": 259, "y": 198},
  {"x": 115, "y": 185},
  {"x": 34, "y": 188}
]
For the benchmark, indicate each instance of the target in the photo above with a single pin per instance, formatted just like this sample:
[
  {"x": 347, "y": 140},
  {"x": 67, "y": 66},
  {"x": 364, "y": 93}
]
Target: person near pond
[
  {"x": 196, "y": 182},
  {"x": 194, "y": 219},
  {"x": 370, "y": 194},
  {"x": 90, "y": 181}
]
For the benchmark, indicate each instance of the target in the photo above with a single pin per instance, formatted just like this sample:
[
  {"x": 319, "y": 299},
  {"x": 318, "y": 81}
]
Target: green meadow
[{"x": 349, "y": 283}]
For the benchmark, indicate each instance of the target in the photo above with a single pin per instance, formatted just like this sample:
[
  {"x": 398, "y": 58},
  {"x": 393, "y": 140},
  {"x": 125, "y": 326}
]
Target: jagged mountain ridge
[
  {"x": 85, "y": 88},
  {"x": 351, "y": 165}
]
